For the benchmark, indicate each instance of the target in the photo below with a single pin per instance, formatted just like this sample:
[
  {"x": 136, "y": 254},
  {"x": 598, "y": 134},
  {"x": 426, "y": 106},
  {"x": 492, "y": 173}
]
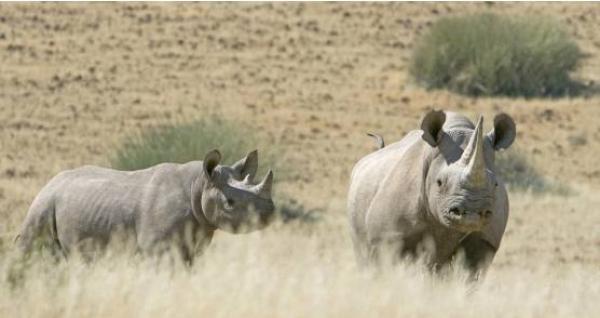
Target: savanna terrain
[{"x": 311, "y": 80}]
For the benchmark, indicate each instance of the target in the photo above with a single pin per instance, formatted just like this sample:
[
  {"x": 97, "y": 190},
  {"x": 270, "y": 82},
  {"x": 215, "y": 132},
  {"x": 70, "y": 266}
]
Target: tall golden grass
[{"x": 299, "y": 270}]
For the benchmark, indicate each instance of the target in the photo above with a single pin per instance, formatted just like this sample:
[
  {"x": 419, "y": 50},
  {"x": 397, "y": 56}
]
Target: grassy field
[{"x": 77, "y": 79}]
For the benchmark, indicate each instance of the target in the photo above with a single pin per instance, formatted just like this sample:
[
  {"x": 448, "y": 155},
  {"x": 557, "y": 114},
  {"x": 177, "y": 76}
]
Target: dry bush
[
  {"x": 189, "y": 141},
  {"x": 490, "y": 54}
]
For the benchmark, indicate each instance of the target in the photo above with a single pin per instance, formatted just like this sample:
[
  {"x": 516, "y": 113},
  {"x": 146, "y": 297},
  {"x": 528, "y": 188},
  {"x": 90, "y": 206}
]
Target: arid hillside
[{"x": 312, "y": 79}]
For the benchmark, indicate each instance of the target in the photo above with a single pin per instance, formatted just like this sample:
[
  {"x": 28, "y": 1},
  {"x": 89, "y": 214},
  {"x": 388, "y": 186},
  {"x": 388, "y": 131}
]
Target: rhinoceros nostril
[
  {"x": 455, "y": 211},
  {"x": 485, "y": 214}
]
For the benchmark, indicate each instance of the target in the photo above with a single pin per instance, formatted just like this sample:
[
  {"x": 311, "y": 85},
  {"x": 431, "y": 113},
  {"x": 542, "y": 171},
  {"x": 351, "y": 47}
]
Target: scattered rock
[{"x": 577, "y": 140}]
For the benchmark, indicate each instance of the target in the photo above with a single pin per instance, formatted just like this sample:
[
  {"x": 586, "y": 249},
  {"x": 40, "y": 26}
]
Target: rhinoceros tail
[
  {"x": 379, "y": 139},
  {"x": 54, "y": 233}
]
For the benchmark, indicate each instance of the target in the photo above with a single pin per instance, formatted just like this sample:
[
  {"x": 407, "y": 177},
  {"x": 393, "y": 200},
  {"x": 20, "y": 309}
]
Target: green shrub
[
  {"x": 183, "y": 142},
  {"x": 289, "y": 210},
  {"x": 489, "y": 54},
  {"x": 520, "y": 175}
]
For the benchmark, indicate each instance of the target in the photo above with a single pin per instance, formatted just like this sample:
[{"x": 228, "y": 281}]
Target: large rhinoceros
[
  {"x": 435, "y": 191},
  {"x": 165, "y": 206}
]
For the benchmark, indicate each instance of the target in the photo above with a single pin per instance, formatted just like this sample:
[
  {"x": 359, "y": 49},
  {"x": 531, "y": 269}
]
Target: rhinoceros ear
[
  {"x": 432, "y": 127},
  {"x": 211, "y": 161},
  {"x": 504, "y": 132},
  {"x": 247, "y": 166}
]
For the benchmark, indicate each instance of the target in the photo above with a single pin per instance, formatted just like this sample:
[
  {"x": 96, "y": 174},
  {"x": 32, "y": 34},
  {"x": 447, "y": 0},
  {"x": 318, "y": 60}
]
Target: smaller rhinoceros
[
  {"x": 165, "y": 206},
  {"x": 435, "y": 191}
]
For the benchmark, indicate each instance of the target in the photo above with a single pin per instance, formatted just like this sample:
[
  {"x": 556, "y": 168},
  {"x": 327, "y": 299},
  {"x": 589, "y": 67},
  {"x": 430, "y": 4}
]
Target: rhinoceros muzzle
[
  {"x": 267, "y": 215},
  {"x": 466, "y": 220}
]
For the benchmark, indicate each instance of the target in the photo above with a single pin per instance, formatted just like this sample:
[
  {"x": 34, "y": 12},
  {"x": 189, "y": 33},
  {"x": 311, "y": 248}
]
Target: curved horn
[
  {"x": 247, "y": 165},
  {"x": 263, "y": 189},
  {"x": 473, "y": 157}
]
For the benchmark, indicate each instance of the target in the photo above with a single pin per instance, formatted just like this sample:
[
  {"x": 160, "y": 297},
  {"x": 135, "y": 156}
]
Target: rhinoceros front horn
[
  {"x": 473, "y": 158},
  {"x": 263, "y": 189}
]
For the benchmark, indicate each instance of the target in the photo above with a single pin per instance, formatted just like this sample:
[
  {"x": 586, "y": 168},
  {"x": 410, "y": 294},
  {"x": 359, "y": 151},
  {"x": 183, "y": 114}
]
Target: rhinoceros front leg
[
  {"x": 386, "y": 249},
  {"x": 191, "y": 247},
  {"x": 478, "y": 254},
  {"x": 200, "y": 243}
]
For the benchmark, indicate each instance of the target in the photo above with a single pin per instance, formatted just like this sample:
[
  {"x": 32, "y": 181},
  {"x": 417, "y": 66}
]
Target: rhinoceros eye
[{"x": 439, "y": 182}]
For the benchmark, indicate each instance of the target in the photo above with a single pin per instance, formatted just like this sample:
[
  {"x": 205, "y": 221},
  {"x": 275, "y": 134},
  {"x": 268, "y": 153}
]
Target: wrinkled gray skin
[
  {"x": 166, "y": 206},
  {"x": 433, "y": 193}
]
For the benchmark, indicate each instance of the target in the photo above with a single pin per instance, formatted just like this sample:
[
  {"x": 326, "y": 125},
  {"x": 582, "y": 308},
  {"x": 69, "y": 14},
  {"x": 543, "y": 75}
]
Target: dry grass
[
  {"x": 295, "y": 271},
  {"x": 292, "y": 271},
  {"x": 312, "y": 79}
]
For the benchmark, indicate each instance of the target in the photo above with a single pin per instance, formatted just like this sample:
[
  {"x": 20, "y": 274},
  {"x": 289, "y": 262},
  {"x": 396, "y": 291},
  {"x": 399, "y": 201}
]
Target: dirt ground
[{"x": 75, "y": 79}]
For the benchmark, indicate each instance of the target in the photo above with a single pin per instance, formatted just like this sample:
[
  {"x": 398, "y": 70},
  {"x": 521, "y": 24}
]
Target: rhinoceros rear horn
[
  {"x": 432, "y": 127},
  {"x": 473, "y": 157},
  {"x": 263, "y": 189},
  {"x": 248, "y": 165}
]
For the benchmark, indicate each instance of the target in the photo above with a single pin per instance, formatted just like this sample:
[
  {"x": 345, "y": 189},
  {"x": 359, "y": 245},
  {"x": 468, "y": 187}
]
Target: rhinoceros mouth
[{"x": 465, "y": 221}]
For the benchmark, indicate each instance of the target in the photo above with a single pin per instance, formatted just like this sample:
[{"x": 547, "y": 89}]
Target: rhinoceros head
[
  {"x": 230, "y": 199},
  {"x": 461, "y": 183}
]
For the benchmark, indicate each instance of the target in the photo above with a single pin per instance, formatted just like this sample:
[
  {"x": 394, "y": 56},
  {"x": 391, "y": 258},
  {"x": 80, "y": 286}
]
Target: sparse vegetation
[
  {"x": 183, "y": 142},
  {"x": 490, "y": 54},
  {"x": 520, "y": 175},
  {"x": 291, "y": 210}
]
